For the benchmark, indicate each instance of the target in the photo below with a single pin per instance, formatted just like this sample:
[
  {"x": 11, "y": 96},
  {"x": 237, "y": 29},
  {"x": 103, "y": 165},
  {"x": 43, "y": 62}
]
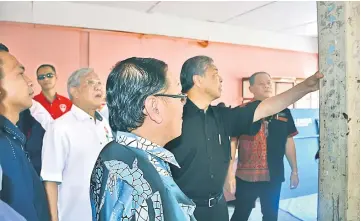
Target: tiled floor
[
  {"x": 256, "y": 214},
  {"x": 304, "y": 207}
]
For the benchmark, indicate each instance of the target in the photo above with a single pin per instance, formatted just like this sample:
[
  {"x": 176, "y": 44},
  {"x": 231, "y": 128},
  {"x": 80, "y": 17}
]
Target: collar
[
  {"x": 57, "y": 97},
  {"x": 250, "y": 101},
  {"x": 132, "y": 140},
  {"x": 190, "y": 108},
  {"x": 9, "y": 128},
  {"x": 82, "y": 115}
]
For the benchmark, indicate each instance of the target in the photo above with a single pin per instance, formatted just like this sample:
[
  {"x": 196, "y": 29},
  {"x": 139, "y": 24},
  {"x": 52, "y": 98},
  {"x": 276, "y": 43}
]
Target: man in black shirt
[
  {"x": 203, "y": 150},
  {"x": 260, "y": 169},
  {"x": 34, "y": 133}
]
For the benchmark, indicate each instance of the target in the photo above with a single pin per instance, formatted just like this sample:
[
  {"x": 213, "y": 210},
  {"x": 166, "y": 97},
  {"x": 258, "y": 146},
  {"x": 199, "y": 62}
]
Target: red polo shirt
[{"x": 60, "y": 105}]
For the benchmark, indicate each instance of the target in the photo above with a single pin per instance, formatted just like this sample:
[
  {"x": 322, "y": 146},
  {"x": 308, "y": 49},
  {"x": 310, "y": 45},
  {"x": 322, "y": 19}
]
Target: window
[
  {"x": 311, "y": 100},
  {"x": 281, "y": 87}
]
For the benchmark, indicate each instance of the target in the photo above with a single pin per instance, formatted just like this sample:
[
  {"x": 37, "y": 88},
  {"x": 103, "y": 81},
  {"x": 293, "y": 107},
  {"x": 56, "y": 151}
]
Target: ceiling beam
[
  {"x": 296, "y": 26},
  {"x": 119, "y": 19}
]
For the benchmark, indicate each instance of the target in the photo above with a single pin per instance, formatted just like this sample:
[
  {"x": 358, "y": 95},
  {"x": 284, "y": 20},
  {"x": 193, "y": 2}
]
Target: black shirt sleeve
[
  {"x": 239, "y": 120},
  {"x": 291, "y": 127}
]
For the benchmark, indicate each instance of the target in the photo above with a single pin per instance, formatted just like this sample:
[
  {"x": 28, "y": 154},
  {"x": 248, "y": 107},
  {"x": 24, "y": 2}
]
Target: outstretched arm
[{"x": 280, "y": 102}]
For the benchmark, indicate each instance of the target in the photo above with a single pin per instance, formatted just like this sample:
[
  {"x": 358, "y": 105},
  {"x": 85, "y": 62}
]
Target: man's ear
[
  {"x": 74, "y": 92},
  {"x": 197, "y": 80},
  {"x": 151, "y": 109},
  {"x": 2, "y": 94},
  {"x": 250, "y": 88}
]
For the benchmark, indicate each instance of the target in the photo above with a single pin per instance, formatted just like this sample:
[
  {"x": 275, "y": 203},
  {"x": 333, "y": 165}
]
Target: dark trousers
[
  {"x": 218, "y": 212},
  {"x": 248, "y": 192}
]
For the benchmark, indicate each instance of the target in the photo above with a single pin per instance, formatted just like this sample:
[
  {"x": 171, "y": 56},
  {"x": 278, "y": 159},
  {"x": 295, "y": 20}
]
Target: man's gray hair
[
  {"x": 193, "y": 66},
  {"x": 74, "y": 79}
]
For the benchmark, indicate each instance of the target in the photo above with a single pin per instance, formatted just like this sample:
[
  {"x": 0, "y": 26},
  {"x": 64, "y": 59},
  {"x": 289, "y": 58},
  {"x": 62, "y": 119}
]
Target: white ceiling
[{"x": 294, "y": 18}]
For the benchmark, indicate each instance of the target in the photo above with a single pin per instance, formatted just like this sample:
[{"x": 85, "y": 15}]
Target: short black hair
[
  {"x": 221, "y": 104},
  {"x": 253, "y": 77},
  {"x": 3, "y": 47},
  {"x": 1, "y": 68},
  {"x": 44, "y": 66},
  {"x": 128, "y": 85},
  {"x": 193, "y": 66}
]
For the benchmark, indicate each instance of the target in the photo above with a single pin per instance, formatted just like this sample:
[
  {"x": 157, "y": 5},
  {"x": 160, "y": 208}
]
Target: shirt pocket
[
  {"x": 225, "y": 143},
  {"x": 282, "y": 119}
]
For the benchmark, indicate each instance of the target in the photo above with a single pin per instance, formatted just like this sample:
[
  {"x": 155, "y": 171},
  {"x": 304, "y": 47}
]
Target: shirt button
[
  {"x": 212, "y": 176},
  {"x": 208, "y": 139},
  {"x": 101, "y": 143}
]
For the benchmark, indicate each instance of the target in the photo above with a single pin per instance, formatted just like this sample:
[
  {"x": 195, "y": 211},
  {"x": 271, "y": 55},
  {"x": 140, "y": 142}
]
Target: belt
[{"x": 212, "y": 201}]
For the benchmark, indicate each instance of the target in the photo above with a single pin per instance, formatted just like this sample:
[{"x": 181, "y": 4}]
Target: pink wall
[{"x": 69, "y": 49}]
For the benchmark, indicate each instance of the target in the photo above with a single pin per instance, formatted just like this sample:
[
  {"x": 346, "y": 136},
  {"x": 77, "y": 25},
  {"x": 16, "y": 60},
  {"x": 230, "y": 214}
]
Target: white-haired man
[{"x": 71, "y": 146}]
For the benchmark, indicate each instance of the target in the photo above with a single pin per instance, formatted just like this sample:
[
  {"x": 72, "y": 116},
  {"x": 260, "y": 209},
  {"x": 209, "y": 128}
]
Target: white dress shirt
[{"x": 71, "y": 146}]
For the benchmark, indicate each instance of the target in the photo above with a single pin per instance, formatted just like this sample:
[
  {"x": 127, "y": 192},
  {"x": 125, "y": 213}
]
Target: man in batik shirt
[
  {"x": 260, "y": 169},
  {"x": 131, "y": 179}
]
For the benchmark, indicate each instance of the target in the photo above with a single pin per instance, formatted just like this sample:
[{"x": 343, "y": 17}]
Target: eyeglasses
[
  {"x": 94, "y": 83},
  {"x": 182, "y": 97},
  {"x": 43, "y": 76}
]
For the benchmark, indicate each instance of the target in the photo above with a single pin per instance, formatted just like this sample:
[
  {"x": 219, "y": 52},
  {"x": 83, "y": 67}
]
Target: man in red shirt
[
  {"x": 260, "y": 169},
  {"x": 54, "y": 103}
]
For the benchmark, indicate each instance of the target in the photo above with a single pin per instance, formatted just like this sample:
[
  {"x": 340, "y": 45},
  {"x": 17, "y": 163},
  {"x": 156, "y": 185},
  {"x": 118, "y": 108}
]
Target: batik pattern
[{"x": 119, "y": 190}]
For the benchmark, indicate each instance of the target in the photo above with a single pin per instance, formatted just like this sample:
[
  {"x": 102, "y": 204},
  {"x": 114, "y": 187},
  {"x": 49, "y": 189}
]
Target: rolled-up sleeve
[
  {"x": 291, "y": 127},
  {"x": 54, "y": 153},
  {"x": 240, "y": 120}
]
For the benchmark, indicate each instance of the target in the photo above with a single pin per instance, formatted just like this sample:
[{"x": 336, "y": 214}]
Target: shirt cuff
[
  {"x": 293, "y": 134},
  {"x": 51, "y": 177}
]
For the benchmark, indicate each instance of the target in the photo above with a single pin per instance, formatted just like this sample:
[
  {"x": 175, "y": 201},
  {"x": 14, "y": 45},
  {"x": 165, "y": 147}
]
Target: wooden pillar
[{"x": 339, "y": 61}]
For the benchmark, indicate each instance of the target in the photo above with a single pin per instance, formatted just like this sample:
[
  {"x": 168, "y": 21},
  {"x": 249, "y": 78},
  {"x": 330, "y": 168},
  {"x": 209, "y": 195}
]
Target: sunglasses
[
  {"x": 182, "y": 97},
  {"x": 43, "y": 76}
]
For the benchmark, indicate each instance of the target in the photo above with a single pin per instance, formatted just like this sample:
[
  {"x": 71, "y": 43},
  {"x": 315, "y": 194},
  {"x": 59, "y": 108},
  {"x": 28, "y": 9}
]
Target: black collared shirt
[
  {"x": 22, "y": 188},
  {"x": 34, "y": 133},
  {"x": 203, "y": 149},
  {"x": 281, "y": 126}
]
